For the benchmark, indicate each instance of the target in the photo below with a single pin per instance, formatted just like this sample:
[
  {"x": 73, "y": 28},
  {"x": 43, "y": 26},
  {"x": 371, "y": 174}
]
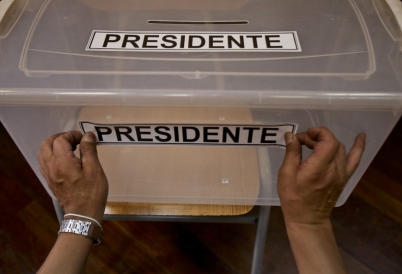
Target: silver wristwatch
[{"x": 84, "y": 228}]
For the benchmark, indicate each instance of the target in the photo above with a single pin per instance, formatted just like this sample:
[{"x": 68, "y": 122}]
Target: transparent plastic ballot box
[{"x": 193, "y": 73}]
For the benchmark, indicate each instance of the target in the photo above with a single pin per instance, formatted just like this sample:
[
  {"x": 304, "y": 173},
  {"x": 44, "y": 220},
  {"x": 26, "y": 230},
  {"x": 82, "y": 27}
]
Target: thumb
[
  {"x": 89, "y": 154},
  {"x": 293, "y": 154}
]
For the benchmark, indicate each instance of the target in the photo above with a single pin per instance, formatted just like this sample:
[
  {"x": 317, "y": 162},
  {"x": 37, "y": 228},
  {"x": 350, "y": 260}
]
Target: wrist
[
  {"x": 307, "y": 216},
  {"x": 314, "y": 247},
  {"x": 301, "y": 228},
  {"x": 75, "y": 237}
]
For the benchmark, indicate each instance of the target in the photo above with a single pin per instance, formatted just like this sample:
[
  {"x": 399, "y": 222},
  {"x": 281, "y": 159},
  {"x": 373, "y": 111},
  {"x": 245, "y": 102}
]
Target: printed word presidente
[
  {"x": 167, "y": 134},
  {"x": 197, "y": 41}
]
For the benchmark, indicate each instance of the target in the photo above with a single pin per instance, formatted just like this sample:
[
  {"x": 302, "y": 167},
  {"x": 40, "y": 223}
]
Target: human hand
[
  {"x": 79, "y": 184},
  {"x": 309, "y": 189}
]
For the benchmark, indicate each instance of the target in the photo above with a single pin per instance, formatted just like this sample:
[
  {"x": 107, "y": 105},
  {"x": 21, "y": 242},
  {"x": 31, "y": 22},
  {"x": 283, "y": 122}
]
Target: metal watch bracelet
[{"x": 84, "y": 228}]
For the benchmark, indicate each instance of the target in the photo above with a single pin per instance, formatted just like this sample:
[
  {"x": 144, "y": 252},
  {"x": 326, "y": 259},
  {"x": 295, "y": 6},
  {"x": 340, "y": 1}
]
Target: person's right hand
[
  {"x": 79, "y": 184},
  {"x": 309, "y": 189}
]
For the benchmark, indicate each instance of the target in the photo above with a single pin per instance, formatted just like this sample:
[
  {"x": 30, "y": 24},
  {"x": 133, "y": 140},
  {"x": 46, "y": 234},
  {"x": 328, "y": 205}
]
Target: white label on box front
[
  {"x": 286, "y": 41},
  {"x": 189, "y": 134}
]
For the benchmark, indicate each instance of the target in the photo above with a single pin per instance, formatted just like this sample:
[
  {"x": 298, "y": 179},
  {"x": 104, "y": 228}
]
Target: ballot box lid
[{"x": 255, "y": 53}]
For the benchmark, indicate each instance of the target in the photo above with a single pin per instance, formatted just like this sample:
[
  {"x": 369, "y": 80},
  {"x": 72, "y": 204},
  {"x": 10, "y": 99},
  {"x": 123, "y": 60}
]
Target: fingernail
[
  {"x": 289, "y": 137},
  {"x": 89, "y": 137}
]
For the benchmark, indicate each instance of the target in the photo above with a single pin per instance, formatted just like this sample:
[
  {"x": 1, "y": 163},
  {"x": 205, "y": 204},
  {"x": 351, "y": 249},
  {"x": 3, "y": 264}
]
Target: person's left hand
[
  {"x": 309, "y": 189},
  {"x": 79, "y": 184}
]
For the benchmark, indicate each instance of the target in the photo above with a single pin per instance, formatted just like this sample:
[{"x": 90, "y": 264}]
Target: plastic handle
[
  {"x": 10, "y": 12},
  {"x": 392, "y": 22}
]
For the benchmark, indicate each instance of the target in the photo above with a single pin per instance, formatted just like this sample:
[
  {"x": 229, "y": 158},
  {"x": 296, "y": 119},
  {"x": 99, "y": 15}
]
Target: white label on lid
[
  {"x": 189, "y": 134},
  {"x": 286, "y": 41}
]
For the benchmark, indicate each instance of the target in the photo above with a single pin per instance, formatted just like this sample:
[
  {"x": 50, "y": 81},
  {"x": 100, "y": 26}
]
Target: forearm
[
  {"x": 81, "y": 187},
  {"x": 68, "y": 255},
  {"x": 314, "y": 248}
]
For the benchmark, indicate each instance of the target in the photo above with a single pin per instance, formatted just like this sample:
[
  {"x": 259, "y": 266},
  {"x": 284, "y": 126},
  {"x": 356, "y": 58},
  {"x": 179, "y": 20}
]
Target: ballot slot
[{"x": 178, "y": 22}]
